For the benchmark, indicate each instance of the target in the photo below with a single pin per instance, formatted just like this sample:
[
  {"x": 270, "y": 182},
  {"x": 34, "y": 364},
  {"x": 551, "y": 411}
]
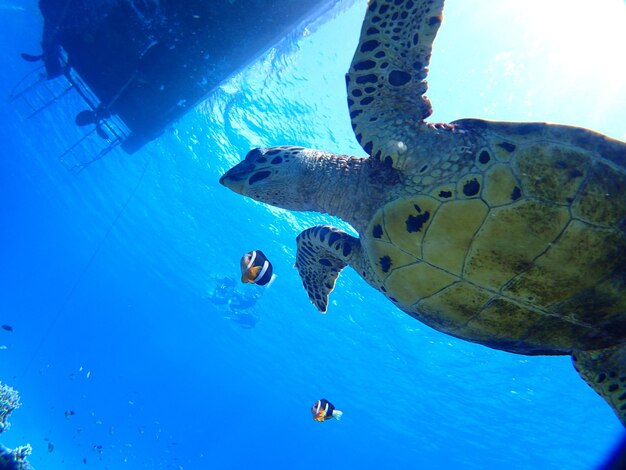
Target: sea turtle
[{"x": 511, "y": 235}]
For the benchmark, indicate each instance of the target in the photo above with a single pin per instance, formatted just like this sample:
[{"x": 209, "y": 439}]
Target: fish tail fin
[
  {"x": 605, "y": 371},
  {"x": 271, "y": 281},
  {"x": 337, "y": 414}
]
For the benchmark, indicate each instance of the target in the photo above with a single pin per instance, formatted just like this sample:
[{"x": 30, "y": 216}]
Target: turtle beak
[{"x": 235, "y": 178}]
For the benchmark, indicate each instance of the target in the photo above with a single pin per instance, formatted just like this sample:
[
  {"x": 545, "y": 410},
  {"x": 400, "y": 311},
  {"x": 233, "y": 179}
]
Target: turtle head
[
  {"x": 272, "y": 175},
  {"x": 303, "y": 179}
]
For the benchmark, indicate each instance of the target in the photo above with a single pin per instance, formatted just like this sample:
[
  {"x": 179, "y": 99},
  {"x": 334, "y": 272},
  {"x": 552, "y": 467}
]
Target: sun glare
[
  {"x": 578, "y": 36},
  {"x": 570, "y": 60}
]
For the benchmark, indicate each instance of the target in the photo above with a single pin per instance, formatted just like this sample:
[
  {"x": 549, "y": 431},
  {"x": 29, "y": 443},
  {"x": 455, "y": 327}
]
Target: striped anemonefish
[
  {"x": 323, "y": 410},
  {"x": 256, "y": 268}
]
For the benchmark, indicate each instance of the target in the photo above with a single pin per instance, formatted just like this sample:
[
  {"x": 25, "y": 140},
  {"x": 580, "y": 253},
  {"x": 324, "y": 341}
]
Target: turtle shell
[{"x": 525, "y": 251}]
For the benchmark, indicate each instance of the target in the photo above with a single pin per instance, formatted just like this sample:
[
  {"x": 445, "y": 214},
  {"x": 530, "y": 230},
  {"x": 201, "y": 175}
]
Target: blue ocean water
[{"x": 106, "y": 275}]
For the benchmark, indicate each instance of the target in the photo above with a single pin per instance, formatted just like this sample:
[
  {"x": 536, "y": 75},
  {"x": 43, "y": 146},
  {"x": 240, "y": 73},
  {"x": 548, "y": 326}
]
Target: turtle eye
[{"x": 253, "y": 155}]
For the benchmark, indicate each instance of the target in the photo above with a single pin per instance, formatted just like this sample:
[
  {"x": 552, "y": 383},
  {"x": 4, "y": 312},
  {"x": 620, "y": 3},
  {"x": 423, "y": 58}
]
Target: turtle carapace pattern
[{"x": 511, "y": 235}]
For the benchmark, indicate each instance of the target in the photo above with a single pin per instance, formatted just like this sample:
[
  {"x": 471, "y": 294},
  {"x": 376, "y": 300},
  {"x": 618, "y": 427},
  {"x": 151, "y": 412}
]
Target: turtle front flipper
[
  {"x": 323, "y": 251},
  {"x": 386, "y": 81},
  {"x": 605, "y": 371}
]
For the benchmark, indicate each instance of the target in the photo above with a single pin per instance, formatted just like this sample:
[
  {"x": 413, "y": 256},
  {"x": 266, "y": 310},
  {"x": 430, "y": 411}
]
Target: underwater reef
[{"x": 11, "y": 459}]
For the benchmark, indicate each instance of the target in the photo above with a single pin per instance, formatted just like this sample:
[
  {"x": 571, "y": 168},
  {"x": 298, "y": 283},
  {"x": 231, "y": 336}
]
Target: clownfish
[
  {"x": 256, "y": 268},
  {"x": 323, "y": 410}
]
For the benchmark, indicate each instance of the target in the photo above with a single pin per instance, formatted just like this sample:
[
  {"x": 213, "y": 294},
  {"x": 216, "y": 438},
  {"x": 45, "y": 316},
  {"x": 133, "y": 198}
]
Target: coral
[
  {"x": 11, "y": 459},
  {"x": 9, "y": 400},
  {"x": 15, "y": 459}
]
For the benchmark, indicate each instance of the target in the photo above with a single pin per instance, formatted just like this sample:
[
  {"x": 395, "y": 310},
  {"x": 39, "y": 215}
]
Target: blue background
[{"x": 106, "y": 275}]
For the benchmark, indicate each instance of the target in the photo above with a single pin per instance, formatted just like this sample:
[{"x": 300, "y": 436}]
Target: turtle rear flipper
[
  {"x": 605, "y": 371},
  {"x": 323, "y": 251}
]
